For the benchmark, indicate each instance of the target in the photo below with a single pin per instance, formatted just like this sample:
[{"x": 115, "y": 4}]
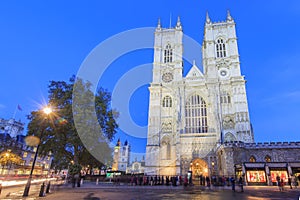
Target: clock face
[
  {"x": 167, "y": 77},
  {"x": 223, "y": 72}
]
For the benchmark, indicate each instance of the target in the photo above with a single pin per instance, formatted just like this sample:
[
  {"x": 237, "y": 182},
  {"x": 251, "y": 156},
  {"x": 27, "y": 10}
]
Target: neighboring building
[
  {"x": 11, "y": 127},
  {"x": 194, "y": 120},
  {"x": 121, "y": 160},
  {"x": 12, "y": 140},
  {"x": 121, "y": 156},
  {"x": 260, "y": 163},
  {"x": 136, "y": 167}
]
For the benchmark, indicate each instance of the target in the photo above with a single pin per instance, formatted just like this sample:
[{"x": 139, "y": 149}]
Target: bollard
[
  {"x": 42, "y": 190},
  {"x": 48, "y": 188},
  {"x": 97, "y": 182},
  {"x": 81, "y": 181}
]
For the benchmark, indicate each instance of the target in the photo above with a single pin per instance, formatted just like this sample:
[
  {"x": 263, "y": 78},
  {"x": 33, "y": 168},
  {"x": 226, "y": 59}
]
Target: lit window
[
  {"x": 168, "y": 54},
  {"x": 196, "y": 115},
  {"x": 25, "y": 154},
  {"x": 268, "y": 159},
  {"x": 252, "y": 159},
  {"x": 220, "y": 48}
]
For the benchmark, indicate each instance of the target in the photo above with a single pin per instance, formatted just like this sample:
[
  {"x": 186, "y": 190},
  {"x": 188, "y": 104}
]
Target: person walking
[
  {"x": 281, "y": 184},
  {"x": 290, "y": 182},
  {"x": 241, "y": 184},
  {"x": 232, "y": 181},
  {"x": 294, "y": 181},
  {"x": 208, "y": 182}
]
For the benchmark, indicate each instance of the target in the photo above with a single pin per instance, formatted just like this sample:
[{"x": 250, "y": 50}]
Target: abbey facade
[{"x": 196, "y": 121}]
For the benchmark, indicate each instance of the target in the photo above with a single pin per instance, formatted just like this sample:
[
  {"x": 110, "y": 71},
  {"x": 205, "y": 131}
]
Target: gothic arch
[
  {"x": 165, "y": 148},
  {"x": 168, "y": 54},
  {"x": 199, "y": 167},
  {"x": 268, "y": 158},
  {"x": 229, "y": 137},
  {"x": 196, "y": 114},
  {"x": 167, "y": 101},
  {"x": 220, "y": 44}
]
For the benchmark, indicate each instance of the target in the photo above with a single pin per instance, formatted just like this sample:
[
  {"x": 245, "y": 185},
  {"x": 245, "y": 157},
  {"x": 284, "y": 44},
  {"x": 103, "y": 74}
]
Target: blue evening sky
[{"x": 48, "y": 40}]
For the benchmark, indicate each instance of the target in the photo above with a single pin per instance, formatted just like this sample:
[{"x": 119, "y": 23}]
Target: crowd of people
[
  {"x": 144, "y": 180},
  {"x": 134, "y": 180}
]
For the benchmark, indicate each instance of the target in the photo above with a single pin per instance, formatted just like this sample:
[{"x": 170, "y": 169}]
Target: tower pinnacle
[
  {"x": 208, "y": 21},
  {"x": 229, "y": 18},
  {"x": 158, "y": 25},
  {"x": 178, "y": 24}
]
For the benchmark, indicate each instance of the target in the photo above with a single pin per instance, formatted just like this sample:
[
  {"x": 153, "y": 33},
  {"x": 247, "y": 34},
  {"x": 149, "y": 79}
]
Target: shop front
[
  {"x": 256, "y": 174},
  {"x": 295, "y": 167},
  {"x": 278, "y": 170}
]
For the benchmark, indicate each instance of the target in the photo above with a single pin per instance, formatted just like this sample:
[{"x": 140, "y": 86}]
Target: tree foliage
[{"x": 65, "y": 132}]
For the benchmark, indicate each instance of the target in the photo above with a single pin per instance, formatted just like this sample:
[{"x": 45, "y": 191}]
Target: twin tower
[{"x": 190, "y": 116}]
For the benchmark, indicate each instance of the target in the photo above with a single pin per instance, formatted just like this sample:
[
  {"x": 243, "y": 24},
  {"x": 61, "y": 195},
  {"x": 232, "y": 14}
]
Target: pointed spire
[
  {"x": 158, "y": 25},
  {"x": 207, "y": 18},
  {"x": 229, "y": 18},
  {"x": 118, "y": 143},
  {"x": 178, "y": 24},
  {"x": 126, "y": 143}
]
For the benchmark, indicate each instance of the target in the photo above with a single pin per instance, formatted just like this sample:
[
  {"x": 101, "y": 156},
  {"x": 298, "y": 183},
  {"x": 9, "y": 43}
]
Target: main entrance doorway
[{"x": 199, "y": 168}]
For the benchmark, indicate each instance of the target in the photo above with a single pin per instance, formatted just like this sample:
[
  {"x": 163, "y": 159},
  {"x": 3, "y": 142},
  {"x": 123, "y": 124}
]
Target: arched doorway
[{"x": 199, "y": 168}]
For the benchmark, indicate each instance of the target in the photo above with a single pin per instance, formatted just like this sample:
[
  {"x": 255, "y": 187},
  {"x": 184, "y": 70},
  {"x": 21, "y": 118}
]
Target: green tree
[{"x": 69, "y": 132}]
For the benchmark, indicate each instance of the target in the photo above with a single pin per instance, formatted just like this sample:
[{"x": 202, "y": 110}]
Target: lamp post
[{"x": 35, "y": 142}]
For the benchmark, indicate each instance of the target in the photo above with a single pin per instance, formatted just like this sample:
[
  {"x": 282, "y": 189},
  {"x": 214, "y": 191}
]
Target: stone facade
[
  {"x": 199, "y": 124},
  {"x": 189, "y": 115}
]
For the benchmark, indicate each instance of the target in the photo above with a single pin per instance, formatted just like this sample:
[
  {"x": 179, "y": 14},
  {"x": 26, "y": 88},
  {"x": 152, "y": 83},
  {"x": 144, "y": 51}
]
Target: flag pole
[{"x": 15, "y": 112}]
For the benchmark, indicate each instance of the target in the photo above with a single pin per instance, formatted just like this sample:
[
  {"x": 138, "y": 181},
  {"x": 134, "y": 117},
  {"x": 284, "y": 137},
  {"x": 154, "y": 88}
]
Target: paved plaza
[{"x": 91, "y": 191}]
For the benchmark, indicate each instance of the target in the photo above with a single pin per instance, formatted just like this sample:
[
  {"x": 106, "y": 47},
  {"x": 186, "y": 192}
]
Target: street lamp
[{"x": 34, "y": 141}]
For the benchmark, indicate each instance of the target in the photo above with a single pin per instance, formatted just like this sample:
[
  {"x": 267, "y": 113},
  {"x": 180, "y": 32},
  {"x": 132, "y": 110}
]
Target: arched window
[
  {"x": 168, "y": 152},
  {"x": 225, "y": 98},
  {"x": 123, "y": 151},
  {"x": 166, "y": 149},
  {"x": 268, "y": 158},
  {"x": 220, "y": 47},
  {"x": 168, "y": 54},
  {"x": 252, "y": 159},
  {"x": 167, "y": 101},
  {"x": 195, "y": 115}
]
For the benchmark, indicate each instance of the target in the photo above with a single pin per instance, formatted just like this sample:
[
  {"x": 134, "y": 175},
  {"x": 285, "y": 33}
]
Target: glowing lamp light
[
  {"x": 47, "y": 110},
  {"x": 32, "y": 140}
]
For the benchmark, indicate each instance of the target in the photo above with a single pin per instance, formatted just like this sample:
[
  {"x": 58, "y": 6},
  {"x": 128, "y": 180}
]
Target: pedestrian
[
  {"x": 294, "y": 180},
  {"x": 290, "y": 182},
  {"x": 232, "y": 181},
  {"x": 241, "y": 184},
  {"x": 278, "y": 180},
  {"x": 0, "y": 187},
  {"x": 208, "y": 182},
  {"x": 281, "y": 184},
  {"x": 185, "y": 182},
  {"x": 278, "y": 184},
  {"x": 200, "y": 179}
]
